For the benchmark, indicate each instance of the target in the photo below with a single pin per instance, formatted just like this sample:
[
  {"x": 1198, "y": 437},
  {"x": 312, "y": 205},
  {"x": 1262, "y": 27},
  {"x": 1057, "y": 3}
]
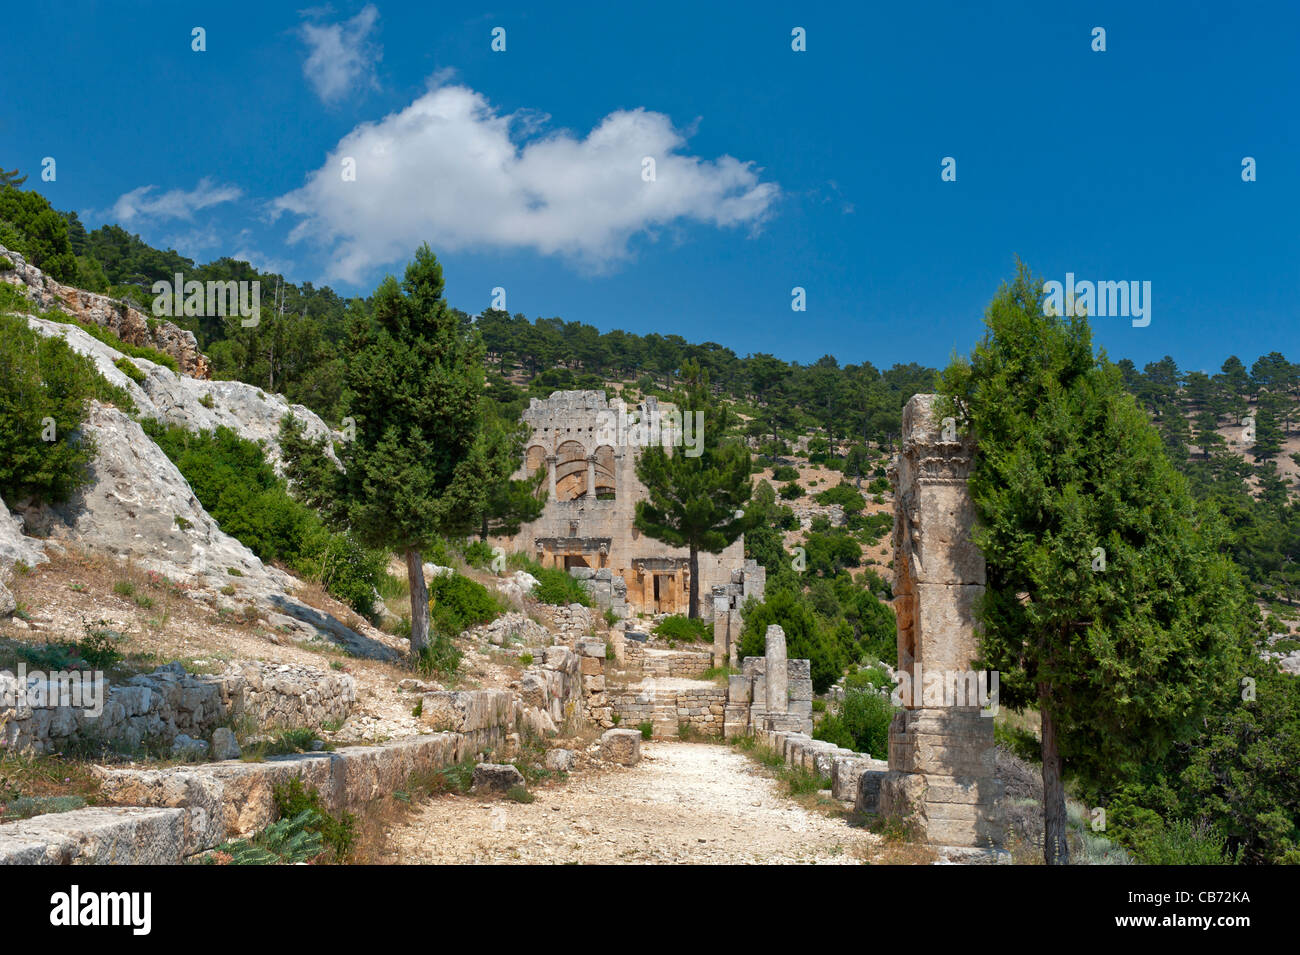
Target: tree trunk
[
  {"x": 695, "y": 583},
  {"x": 419, "y": 602},
  {"x": 483, "y": 528},
  {"x": 1056, "y": 850}
]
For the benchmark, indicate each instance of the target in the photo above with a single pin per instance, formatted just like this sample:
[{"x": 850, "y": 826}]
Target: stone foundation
[{"x": 159, "y": 706}]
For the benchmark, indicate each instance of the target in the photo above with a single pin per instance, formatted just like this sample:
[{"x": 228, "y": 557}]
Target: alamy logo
[
  {"x": 73, "y": 908},
  {"x": 1131, "y": 299},
  {"x": 194, "y": 299},
  {"x": 671, "y": 429},
  {"x": 42, "y": 690},
  {"x": 928, "y": 688}
]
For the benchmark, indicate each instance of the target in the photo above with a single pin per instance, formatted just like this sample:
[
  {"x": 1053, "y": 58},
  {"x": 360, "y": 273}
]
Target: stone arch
[
  {"x": 606, "y": 476},
  {"x": 534, "y": 460},
  {"x": 570, "y": 471}
]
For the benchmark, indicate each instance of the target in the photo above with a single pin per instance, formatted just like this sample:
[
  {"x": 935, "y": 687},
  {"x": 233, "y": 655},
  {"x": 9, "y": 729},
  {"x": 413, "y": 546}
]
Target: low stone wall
[
  {"x": 96, "y": 836},
  {"x": 702, "y": 709},
  {"x": 570, "y": 623},
  {"x": 679, "y": 664},
  {"x": 162, "y": 705},
  {"x": 551, "y": 693}
]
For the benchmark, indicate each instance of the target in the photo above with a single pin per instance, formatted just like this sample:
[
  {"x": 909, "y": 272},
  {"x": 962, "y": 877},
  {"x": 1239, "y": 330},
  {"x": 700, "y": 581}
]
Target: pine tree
[
  {"x": 418, "y": 466},
  {"x": 1108, "y": 605},
  {"x": 696, "y": 502}
]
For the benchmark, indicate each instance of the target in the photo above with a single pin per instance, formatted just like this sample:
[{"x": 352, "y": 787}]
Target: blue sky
[{"x": 775, "y": 169}]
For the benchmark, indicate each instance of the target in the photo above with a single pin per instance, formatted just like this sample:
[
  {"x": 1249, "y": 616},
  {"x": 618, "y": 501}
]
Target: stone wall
[
  {"x": 656, "y": 662},
  {"x": 159, "y": 706}
]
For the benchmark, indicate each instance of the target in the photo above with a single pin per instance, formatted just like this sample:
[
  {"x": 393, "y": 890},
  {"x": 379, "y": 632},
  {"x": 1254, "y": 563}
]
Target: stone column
[
  {"x": 550, "y": 473},
  {"x": 941, "y": 744},
  {"x": 721, "y": 630},
  {"x": 775, "y": 675},
  {"x": 591, "y": 477}
]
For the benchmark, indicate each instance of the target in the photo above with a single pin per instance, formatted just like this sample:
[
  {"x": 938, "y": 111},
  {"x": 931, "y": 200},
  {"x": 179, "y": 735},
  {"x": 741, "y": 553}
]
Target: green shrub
[
  {"x": 556, "y": 587},
  {"x": 861, "y": 725},
  {"x": 129, "y": 368},
  {"x": 790, "y": 491},
  {"x": 679, "y": 627},
  {"x": 784, "y": 472},
  {"x": 338, "y": 833},
  {"x": 287, "y": 841},
  {"x": 845, "y": 495},
  {"x": 457, "y": 603},
  {"x": 233, "y": 481},
  {"x": 46, "y": 392},
  {"x": 647, "y": 730},
  {"x": 478, "y": 554},
  {"x": 440, "y": 657}
]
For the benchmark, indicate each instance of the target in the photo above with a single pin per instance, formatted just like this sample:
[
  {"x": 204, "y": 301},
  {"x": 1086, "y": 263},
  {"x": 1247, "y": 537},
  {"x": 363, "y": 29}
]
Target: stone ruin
[
  {"x": 941, "y": 762},
  {"x": 582, "y": 451}
]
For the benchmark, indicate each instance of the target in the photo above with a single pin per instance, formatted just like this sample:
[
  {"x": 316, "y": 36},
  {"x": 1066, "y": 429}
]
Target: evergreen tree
[
  {"x": 696, "y": 502},
  {"x": 418, "y": 466},
  {"x": 1119, "y": 657}
]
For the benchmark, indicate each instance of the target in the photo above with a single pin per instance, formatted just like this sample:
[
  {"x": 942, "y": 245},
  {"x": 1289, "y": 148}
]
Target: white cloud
[
  {"x": 451, "y": 170},
  {"x": 340, "y": 58},
  {"x": 173, "y": 204}
]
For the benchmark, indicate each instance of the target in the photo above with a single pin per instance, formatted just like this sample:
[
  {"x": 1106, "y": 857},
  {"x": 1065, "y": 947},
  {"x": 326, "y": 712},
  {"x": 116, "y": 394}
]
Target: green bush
[
  {"x": 129, "y": 368},
  {"x": 556, "y": 587},
  {"x": 440, "y": 656},
  {"x": 790, "y": 491},
  {"x": 679, "y": 627},
  {"x": 233, "y": 481},
  {"x": 457, "y": 603},
  {"x": 478, "y": 554},
  {"x": 337, "y": 832},
  {"x": 783, "y": 472},
  {"x": 861, "y": 725},
  {"x": 845, "y": 495},
  {"x": 45, "y": 394}
]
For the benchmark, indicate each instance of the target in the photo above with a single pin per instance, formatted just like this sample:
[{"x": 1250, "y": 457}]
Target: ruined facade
[
  {"x": 941, "y": 771},
  {"x": 587, "y": 447}
]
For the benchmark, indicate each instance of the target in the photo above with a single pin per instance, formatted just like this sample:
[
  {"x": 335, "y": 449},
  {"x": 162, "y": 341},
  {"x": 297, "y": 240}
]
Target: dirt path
[{"x": 685, "y": 802}]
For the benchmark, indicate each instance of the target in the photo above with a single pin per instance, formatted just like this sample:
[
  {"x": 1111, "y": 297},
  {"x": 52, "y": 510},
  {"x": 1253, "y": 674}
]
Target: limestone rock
[
  {"x": 621, "y": 746},
  {"x": 224, "y": 744},
  {"x": 15, "y": 547},
  {"x": 496, "y": 777},
  {"x": 560, "y": 760},
  {"x": 7, "y": 603},
  {"x": 185, "y": 747}
]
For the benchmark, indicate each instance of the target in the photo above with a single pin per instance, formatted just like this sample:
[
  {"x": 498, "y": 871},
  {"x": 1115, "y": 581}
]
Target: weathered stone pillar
[
  {"x": 550, "y": 474},
  {"x": 941, "y": 745},
  {"x": 591, "y": 477},
  {"x": 775, "y": 674},
  {"x": 721, "y": 630}
]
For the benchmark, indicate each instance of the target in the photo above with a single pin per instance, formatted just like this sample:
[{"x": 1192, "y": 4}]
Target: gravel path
[{"x": 684, "y": 803}]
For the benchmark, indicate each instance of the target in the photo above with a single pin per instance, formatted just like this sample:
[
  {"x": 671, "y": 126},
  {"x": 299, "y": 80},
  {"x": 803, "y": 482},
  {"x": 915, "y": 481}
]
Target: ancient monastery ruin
[{"x": 588, "y": 448}]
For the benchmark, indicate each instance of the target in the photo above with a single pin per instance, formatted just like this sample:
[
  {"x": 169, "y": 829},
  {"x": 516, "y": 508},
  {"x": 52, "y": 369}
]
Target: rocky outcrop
[
  {"x": 14, "y": 546},
  {"x": 138, "y": 506},
  {"x": 191, "y": 403},
  {"x": 122, "y": 319}
]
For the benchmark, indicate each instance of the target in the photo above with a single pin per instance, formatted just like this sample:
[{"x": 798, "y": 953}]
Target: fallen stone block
[
  {"x": 560, "y": 760},
  {"x": 97, "y": 835},
  {"x": 621, "y": 746},
  {"x": 496, "y": 777}
]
